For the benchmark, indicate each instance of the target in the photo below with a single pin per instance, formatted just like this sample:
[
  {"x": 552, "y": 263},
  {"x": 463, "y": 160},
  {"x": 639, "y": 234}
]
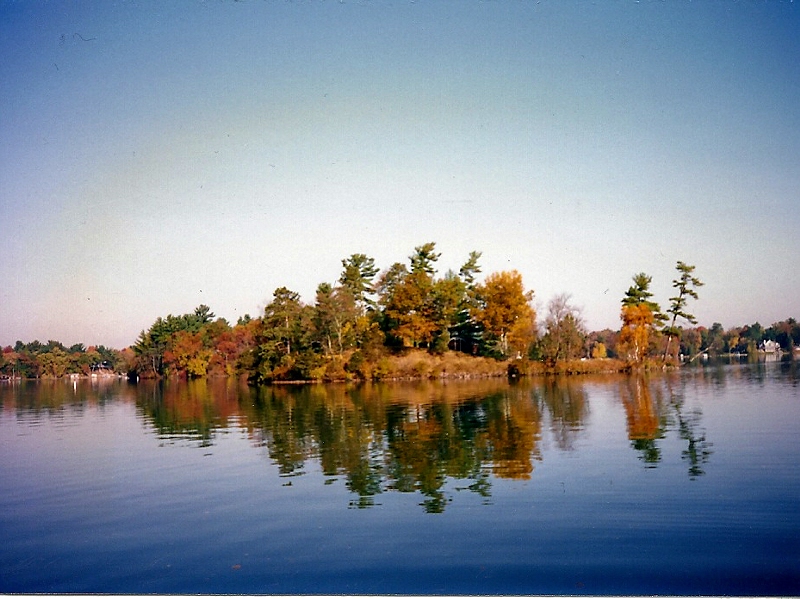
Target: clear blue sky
[{"x": 159, "y": 155}]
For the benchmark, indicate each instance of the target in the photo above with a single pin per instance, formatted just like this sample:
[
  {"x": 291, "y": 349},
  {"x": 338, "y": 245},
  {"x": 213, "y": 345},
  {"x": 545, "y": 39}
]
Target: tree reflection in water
[
  {"x": 432, "y": 438},
  {"x": 405, "y": 438},
  {"x": 566, "y": 402},
  {"x": 192, "y": 410},
  {"x": 645, "y": 417},
  {"x": 649, "y": 418},
  {"x": 698, "y": 449}
]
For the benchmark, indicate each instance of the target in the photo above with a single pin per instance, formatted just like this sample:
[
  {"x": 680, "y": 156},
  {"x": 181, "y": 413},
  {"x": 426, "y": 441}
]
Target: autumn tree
[
  {"x": 54, "y": 363},
  {"x": 691, "y": 341},
  {"x": 421, "y": 310},
  {"x": 409, "y": 311},
  {"x": 188, "y": 353},
  {"x": 687, "y": 285},
  {"x": 637, "y": 324},
  {"x": 229, "y": 347},
  {"x": 732, "y": 339},
  {"x": 388, "y": 283},
  {"x": 640, "y": 315},
  {"x": 504, "y": 312},
  {"x": 283, "y": 339},
  {"x": 602, "y": 344},
  {"x": 21, "y": 361},
  {"x": 152, "y": 346},
  {"x": 198, "y": 344}
]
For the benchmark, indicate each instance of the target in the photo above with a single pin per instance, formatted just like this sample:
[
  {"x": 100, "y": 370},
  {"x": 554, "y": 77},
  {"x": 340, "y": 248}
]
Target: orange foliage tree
[
  {"x": 634, "y": 338},
  {"x": 640, "y": 317},
  {"x": 505, "y": 313}
]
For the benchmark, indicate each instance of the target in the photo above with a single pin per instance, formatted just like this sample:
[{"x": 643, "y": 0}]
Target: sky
[{"x": 155, "y": 156}]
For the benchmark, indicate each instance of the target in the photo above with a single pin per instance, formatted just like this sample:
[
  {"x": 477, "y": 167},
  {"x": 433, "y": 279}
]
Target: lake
[{"x": 685, "y": 482}]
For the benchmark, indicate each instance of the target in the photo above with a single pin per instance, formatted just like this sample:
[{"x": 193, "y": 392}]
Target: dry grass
[
  {"x": 418, "y": 364},
  {"x": 590, "y": 366}
]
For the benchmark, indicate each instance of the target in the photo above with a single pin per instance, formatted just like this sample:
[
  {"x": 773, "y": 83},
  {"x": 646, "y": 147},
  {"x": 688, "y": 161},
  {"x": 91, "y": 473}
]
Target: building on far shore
[{"x": 770, "y": 347}]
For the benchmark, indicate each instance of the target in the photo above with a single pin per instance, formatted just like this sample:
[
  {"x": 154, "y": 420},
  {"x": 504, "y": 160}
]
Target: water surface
[{"x": 679, "y": 483}]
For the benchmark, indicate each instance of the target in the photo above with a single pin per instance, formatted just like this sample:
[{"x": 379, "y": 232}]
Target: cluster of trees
[
  {"x": 53, "y": 359},
  {"x": 745, "y": 339},
  {"x": 367, "y": 314},
  {"x": 647, "y": 333},
  {"x": 642, "y": 319},
  {"x": 194, "y": 345},
  {"x": 351, "y": 324},
  {"x": 691, "y": 341}
]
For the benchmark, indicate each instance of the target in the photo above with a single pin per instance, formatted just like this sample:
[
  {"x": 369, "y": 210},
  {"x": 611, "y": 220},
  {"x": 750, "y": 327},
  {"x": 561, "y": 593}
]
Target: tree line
[
  {"x": 53, "y": 359},
  {"x": 357, "y": 323},
  {"x": 353, "y": 324}
]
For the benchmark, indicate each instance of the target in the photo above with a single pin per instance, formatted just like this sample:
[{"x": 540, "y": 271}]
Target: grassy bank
[
  {"x": 588, "y": 366},
  {"x": 419, "y": 364},
  {"x": 412, "y": 365}
]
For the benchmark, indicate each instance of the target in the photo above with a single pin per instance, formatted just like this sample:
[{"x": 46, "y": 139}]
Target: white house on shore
[{"x": 770, "y": 347}]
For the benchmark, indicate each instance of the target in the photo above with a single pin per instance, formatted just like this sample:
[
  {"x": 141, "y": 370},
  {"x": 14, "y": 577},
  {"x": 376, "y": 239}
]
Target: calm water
[{"x": 686, "y": 483}]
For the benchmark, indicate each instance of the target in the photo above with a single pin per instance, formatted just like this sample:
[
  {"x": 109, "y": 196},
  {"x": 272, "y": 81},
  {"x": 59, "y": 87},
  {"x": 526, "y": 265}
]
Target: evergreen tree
[
  {"x": 686, "y": 285},
  {"x": 359, "y": 271}
]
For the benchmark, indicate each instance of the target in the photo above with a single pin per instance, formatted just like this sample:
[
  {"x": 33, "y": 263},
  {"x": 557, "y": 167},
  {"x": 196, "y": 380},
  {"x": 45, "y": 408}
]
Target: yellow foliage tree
[
  {"x": 187, "y": 353},
  {"x": 411, "y": 307},
  {"x": 599, "y": 351},
  {"x": 505, "y": 313},
  {"x": 634, "y": 338}
]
